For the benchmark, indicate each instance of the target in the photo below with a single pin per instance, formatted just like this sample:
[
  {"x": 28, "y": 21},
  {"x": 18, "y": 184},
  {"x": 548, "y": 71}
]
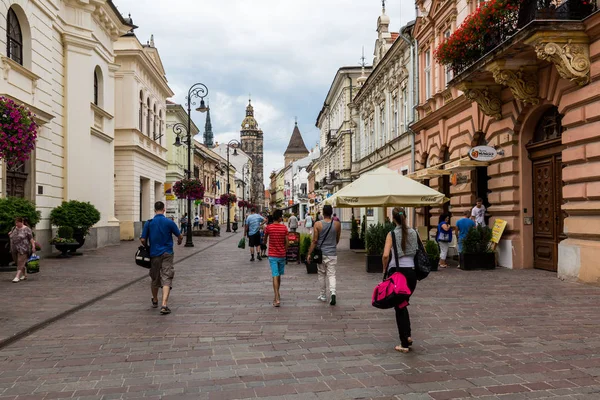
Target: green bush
[
  {"x": 363, "y": 228},
  {"x": 75, "y": 214},
  {"x": 305, "y": 240},
  {"x": 477, "y": 240},
  {"x": 375, "y": 238},
  {"x": 65, "y": 232},
  {"x": 354, "y": 229},
  {"x": 432, "y": 249},
  {"x": 13, "y": 207}
]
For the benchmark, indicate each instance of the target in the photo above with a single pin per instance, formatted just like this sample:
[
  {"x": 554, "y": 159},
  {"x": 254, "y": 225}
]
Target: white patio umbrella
[{"x": 385, "y": 188}]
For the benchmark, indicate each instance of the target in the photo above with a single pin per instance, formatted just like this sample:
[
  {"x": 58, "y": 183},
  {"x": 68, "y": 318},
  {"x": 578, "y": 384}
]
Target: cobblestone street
[{"x": 499, "y": 334}]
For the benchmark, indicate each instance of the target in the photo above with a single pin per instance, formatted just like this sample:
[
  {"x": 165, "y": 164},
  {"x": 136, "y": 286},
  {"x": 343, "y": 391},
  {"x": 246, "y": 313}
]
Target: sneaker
[
  {"x": 252, "y": 258},
  {"x": 322, "y": 298},
  {"x": 16, "y": 280},
  {"x": 258, "y": 257},
  {"x": 332, "y": 302},
  {"x": 23, "y": 278},
  {"x": 154, "y": 303},
  {"x": 165, "y": 310}
]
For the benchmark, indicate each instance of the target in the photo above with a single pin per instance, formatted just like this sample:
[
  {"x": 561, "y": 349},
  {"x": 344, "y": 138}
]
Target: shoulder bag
[
  {"x": 394, "y": 290},
  {"x": 317, "y": 254},
  {"x": 142, "y": 255},
  {"x": 422, "y": 266}
]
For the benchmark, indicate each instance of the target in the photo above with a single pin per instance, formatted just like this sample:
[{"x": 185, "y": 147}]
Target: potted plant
[
  {"x": 363, "y": 229},
  {"x": 433, "y": 252},
  {"x": 477, "y": 253},
  {"x": 189, "y": 189},
  {"x": 64, "y": 241},
  {"x": 78, "y": 215},
  {"x": 11, "y": 208},
  {"x": 355, "y": 241},
  {"x": 374, "y": 244},
  {"x": 305, "y": 241}
]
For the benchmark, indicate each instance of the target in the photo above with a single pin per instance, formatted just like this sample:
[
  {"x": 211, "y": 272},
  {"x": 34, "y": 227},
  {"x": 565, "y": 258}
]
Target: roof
[
  {"x": 296, "y": 144},
  {"x": 395, "y": 36}
]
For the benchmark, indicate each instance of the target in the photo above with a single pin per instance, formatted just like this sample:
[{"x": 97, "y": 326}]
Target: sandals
[
  {"x": 276, "y": 303},
  {"x": 401, "y": 349},
  {"x": 154, "y": 303},
  {"x": 165, "y": 310}
]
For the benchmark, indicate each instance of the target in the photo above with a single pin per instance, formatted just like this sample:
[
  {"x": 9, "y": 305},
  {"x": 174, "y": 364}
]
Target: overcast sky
[{"x": 283, "y": 52}]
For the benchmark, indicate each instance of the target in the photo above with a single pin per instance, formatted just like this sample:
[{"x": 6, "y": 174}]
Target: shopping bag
[
  {"x": 33, "y": 265},
  {"x": 242, "y": 243}
]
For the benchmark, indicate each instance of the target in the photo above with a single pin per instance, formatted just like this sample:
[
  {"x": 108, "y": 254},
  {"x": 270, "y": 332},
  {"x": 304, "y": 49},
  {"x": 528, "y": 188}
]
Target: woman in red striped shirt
[{"x": 276, "y": 236}]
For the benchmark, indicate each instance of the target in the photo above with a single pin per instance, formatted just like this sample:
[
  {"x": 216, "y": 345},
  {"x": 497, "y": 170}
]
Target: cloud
[{"x": 284, "y": 53}]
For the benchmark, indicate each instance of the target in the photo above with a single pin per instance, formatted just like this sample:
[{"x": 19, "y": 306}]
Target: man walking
[
  {"x": 276, "y": 235},
  {"x": 326, "y": 236},
  {"x": 183, "y": 221},
  {"x": 253, "y": 223},
  {"x": 464, "y": 225},
  {"x": 293, "y": 223},
  {"x": 158, "y": 232},
  {"x": 478, "y": 212}
]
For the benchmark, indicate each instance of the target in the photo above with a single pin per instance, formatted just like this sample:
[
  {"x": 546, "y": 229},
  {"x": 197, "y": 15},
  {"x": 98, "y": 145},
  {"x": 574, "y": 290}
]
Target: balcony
[
  {"x": 332, "y": 136},
  {"x": 521, "y": 38}
]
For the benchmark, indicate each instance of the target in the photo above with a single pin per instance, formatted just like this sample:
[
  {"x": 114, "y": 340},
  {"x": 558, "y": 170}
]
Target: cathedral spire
[{"x": 208, "y": 132}]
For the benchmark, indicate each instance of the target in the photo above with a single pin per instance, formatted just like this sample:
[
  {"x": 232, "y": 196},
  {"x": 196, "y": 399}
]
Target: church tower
[
  {"x": 252, "y": 144},
  {"x": 296, "y": 149},
  {"x": 208, "y": 133}
]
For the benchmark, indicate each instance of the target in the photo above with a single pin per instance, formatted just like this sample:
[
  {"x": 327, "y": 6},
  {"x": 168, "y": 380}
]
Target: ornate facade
[{"x": 252, "y": 144}]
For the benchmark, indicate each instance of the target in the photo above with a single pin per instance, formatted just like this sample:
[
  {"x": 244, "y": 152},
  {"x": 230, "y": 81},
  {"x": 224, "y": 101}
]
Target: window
[
  {"x": 14, "y": 38},
  {"x": 382, "y": 133},
  {"x": 141, "y": 112},
  {"x": 447, "y": 68},
  {"x": 396, "y": 101},
  {"x": 160, "y": 125},
  {"x": 149, "y": 119},
  {"x": 405, "y": 109},
  {"x": 427, "y": 74},
  {"x": 154, "y": 125}
]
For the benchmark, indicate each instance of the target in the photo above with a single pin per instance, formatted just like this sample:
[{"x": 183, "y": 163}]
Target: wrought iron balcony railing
[{"x": 528, "y": 11}]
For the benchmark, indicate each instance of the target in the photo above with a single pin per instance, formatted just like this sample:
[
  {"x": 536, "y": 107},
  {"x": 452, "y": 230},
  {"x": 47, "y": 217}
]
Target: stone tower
[
  {"x": 296, "y": 149},
  {"x": 252, "y": 144},
  {"x": 208, "y": 133}
]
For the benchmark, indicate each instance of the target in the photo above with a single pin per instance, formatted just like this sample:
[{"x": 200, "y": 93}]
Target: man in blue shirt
[
  {"x": 464, "y": 225},
  {"x": 253, "y": 223},
  {"x": 159, "y": 233}
]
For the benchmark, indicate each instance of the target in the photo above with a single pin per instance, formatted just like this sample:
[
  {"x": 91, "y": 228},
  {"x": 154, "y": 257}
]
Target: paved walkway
[{"x": 484, "y": 334}]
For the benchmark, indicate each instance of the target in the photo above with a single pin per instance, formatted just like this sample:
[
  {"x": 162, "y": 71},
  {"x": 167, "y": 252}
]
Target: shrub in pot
[
  {"x": 374, "y": 244},
  {"x": 433, "y": 252},
  {"x": 11, "y": 208},
  {"x": 64, "y": 241},
  {"x": 79, "y": 215},
  {"x": 476, "y": 249},
  {"x": 355, "y": 241},
  {"x": 305, "y": 241}
]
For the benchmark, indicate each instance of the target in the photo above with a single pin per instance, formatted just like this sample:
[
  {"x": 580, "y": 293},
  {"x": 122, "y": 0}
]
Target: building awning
[
  {"x": 428, "y": 173},
  {"x": 288, "y": 207},
  {"x": 464, "y": 164}
]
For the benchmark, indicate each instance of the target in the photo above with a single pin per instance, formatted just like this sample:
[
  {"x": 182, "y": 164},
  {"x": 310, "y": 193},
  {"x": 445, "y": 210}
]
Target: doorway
[{"x": 545, "y": 151}]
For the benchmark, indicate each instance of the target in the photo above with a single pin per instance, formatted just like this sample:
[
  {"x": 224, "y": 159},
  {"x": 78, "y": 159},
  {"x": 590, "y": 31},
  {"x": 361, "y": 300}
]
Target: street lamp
[
  {"x": 199, "y": 91},
  {"x": 235, "y": 153},
  {"x": 245, "y": 169}
]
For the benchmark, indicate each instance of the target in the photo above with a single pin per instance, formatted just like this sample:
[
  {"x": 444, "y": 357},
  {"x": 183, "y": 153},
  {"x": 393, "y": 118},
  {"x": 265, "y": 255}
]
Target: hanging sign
[
  {"x": 498, "y": 230},
  {"x": 483, "y": 153}
]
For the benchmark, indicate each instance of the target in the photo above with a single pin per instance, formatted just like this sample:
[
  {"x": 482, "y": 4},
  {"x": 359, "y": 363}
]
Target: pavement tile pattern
[{"x": 490, "y": 335}]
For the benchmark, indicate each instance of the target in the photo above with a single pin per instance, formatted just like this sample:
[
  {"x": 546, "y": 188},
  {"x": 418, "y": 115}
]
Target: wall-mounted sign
[
  {"x": 169, "y": 195},
  {"x": 483, "y": 153},
  {"x": 458, "y": 179}
]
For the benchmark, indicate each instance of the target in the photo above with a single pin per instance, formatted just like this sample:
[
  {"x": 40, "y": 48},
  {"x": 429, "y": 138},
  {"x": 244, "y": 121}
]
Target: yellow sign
[
  {"x": 169, "y": 195},
  {"x": 498, "y": 230}
]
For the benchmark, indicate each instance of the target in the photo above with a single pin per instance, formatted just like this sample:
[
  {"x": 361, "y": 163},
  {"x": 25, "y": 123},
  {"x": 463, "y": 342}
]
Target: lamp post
[
  {"x": 237, "y": 143},
  {"x": 199, "y": 91},
  {"x": 245, "y": 169}
]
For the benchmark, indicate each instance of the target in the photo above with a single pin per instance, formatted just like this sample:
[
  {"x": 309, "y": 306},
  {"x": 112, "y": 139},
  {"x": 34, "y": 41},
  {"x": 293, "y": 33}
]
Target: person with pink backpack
[{"x": 402, "y": 243}]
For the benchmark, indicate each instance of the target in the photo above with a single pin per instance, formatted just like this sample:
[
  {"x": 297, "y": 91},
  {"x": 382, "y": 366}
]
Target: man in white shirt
[{"x": 478, "y": 212}]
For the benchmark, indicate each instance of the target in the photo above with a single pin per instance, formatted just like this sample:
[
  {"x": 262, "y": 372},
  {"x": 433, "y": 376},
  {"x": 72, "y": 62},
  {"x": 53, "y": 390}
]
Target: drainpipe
[{"x": 351, "y": 134}]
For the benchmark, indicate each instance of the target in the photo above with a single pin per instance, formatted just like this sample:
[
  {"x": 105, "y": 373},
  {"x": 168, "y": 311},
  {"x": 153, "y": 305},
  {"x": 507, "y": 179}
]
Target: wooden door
[
  {"x": 16, "y": 179},
  {"x": 548, "y": 217}
]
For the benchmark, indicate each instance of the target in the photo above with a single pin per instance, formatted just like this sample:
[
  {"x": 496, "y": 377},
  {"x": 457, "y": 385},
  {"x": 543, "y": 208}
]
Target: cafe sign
[{"x": 483, "y": 153}]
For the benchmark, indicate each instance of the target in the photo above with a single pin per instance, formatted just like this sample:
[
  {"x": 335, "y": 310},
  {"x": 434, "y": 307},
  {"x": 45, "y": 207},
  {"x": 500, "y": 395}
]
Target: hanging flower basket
[
  {"x": 228, "y": 199},
  {"x": 18, "y": 132},
  {"x": 189, "y": 189}
]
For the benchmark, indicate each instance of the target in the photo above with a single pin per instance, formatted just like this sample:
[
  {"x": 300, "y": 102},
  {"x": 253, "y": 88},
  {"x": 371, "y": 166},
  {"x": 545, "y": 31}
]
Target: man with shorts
[
  {"x": 253, "y": 223},
  {"x": 276, "y": 235},
  {"x": 158, "y": 232}
]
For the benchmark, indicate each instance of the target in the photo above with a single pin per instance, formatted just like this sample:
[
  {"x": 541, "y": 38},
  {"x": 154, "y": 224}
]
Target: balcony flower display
[
  {"x": 472, "y": 39},
  {"x": 243, "y": 204},
  {"x": 189, "y": 189},
  {"x": 228, "y": 199},
  {"x": 18, "y": 132}
]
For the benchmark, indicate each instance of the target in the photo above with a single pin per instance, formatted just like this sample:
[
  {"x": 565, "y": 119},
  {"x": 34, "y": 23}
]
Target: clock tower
[{"x": 252, "y": 144}]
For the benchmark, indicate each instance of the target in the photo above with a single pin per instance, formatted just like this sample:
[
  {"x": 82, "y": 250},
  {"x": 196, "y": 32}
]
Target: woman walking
[
  {"x": 22, "y": 245},
  {"x": 308, "y": 223},
  {"x": 406, "y": 244},
  {"x": 444, "y": 238}
]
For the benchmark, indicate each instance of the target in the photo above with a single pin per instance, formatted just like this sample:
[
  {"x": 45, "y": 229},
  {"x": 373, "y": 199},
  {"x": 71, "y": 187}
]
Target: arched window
[
  {"x": 141, "y": 111},
  {"x": 549, "y": 126},
  {"x": 149, "y": 119},
  {"x": 98, "y": 87},
  {"x": 160, "y": 125},
  {"x": 14, "y": 38},
  {"x": 154, "y": 124},
  {"x": 95, "y": 87}
]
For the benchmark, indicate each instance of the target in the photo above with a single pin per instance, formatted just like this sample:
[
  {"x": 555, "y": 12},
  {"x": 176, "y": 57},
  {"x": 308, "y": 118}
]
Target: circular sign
[{"x": 483, "y": 153}]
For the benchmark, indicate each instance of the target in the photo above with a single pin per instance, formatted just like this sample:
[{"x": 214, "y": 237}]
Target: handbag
[
  {"x": 317, "y": 254},
  {"x": 394, "y": 290},
  {"x": 422, "y": 265},
  {"x": 242, "y": 243},
  {"x": 142, "y": 255}
]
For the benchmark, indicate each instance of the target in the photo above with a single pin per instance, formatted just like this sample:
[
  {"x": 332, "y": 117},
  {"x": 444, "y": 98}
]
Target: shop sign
[
  {"x": 483, "y": 153},
  {"x": 169, "y": 195},
  {"x": 458, "y": 179},
  {"x": 498, "y": 230}
]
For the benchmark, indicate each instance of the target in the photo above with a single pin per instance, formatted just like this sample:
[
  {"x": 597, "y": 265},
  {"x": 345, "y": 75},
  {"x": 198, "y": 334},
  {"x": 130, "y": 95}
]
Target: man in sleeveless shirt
[{"x": 326, "y": 235}]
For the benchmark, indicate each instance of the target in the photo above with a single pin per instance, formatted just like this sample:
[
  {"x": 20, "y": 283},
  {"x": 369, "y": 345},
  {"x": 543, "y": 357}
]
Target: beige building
[
  {"x": 61, "y": 65},
  {"x": 140, "y": 153}
]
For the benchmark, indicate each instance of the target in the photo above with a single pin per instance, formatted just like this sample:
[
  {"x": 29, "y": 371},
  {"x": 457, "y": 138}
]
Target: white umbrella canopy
[{"x": 385, "y": 188}]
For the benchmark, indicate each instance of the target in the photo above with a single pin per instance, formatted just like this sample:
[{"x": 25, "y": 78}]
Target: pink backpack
[{"x": 391, "y": 292}]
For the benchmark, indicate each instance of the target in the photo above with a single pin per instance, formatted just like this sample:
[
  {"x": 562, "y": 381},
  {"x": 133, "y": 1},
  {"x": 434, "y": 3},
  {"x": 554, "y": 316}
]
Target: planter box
[
  {"x": 5, "y": 254},
  {"x": 470, "y": 262},
  {"x": 374, "y": 264},
  {"x": 357, "y": 244},
  {"x": 311, "y": 268},
  {"x": 434, "y": 263}
]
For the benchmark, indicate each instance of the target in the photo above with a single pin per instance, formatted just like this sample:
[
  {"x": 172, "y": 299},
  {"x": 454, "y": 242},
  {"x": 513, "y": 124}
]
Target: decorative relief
[
  {"x": 571, "y": 60},
  {"x": 523, "y": 84},
  {"x": 488, "y": 101}
]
